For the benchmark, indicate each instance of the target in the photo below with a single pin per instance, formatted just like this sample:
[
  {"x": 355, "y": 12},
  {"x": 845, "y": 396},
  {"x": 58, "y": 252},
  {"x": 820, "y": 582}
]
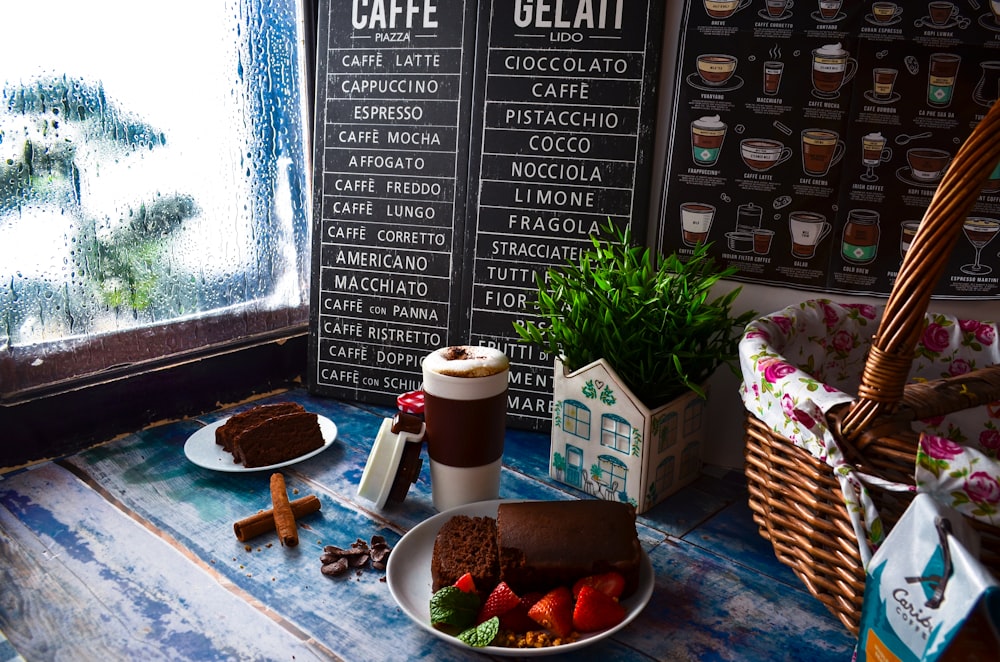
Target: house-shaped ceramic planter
[{"x": 606, "y": 442}]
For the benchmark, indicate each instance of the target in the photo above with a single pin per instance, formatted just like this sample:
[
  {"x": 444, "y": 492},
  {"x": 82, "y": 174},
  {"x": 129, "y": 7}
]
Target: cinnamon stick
[
  {"x": 284, "y": 520},
  {"x": 263, "y": 522}
]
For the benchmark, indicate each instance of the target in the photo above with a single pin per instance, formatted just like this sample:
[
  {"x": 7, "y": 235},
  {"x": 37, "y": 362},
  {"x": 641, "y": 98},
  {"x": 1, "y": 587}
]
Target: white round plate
[
  {"x": 408, "y": 574},
  {"x": 201, "y": 449}
]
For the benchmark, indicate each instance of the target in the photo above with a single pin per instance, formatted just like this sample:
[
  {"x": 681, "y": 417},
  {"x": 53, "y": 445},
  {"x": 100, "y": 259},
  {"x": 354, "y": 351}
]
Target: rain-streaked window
[{"x": 153, "y": 181}]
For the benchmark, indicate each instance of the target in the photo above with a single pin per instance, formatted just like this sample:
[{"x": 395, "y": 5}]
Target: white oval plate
[
  {"x": 408, "y": 574},
  {"x": 201, "y": 449}
]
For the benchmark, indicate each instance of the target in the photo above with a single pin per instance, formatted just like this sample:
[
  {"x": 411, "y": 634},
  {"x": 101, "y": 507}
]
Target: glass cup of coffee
[
  {"x": 807, "y": 229},
  {"x": 832, "y": 68},
  {"x": 715, "y": 69},
  {"x": 772, "y": 76},
  {"x": 885, "y": 12},
  {"x": 884, "y": 81},
  {"x": 707, "y": 136},
  {"x": 942, "y": 12},
  {"x": 941, "y": 74},
  {"x": 465, "y": 409},
  {"x": 696, "y": 221},
  {"x": 926, "y": 163},
  {"x": 776, "y": 8},
  {"x": 724, "y": 8},
  {"x": 761, "y": 154},
  {"x": 821, "y": 149},
  {"x": 828, "y": 9}
]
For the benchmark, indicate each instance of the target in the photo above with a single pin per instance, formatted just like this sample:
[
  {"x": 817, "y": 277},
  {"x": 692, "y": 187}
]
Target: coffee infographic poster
[{"x": 808, "y": 137}]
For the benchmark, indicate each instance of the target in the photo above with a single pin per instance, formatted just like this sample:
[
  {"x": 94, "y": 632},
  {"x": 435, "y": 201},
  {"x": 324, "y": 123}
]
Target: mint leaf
[
  {"x": 453, "y": 606},
  {"x": 483, "y": 634}
]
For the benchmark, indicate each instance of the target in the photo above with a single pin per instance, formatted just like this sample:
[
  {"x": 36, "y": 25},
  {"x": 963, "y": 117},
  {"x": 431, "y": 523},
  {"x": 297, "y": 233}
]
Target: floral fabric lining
[{"x": 800, "y": 362}]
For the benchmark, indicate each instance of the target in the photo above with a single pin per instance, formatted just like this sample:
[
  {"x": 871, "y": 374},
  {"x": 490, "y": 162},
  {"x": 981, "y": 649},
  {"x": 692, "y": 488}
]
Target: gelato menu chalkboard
[
  {"x": 809, "y": 137},
  {"x": 392, "y": 133},
  {"x": 565, "y": 111},
  {"x": 435, "y": 206}
]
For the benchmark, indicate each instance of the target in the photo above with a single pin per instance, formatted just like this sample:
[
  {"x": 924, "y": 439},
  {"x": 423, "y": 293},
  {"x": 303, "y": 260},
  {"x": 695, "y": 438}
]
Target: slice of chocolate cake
[
  {"x": 466, "y": 544},
  {"x": 238, "y": 423},
  {"x": 544, "y": 544},
  {"x": 277, "y": 439}
]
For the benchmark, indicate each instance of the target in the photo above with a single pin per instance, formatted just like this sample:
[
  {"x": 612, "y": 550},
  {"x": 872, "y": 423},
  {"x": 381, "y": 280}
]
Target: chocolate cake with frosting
[
  {"x": 538, "y": 545},
  {"x": 270, "y": 434}
]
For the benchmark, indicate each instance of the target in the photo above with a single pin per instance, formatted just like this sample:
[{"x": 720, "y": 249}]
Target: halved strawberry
[
  {"x": 596, "y": 611},
  {"x": 466, "y": 584},
  {"x": 609, "y": 583},
  {"x": 501, "y": 600},
  {"x": 554, "y": 611},
  {"x": 517, "y": 619}
]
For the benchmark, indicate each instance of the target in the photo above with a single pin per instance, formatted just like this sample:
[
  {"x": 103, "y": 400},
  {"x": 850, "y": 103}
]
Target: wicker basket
[{"x": 796, "y": 499}]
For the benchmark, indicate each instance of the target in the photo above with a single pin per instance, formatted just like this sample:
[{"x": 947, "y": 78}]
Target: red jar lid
[{"x": 411, "y": 403}]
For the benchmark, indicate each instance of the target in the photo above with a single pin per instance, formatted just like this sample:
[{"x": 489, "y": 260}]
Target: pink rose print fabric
[{"x": 799, "y": 362}]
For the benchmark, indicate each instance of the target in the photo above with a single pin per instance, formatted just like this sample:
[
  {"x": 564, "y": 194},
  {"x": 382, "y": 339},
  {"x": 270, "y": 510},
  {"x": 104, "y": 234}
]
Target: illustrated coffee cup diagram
[
  {"x": 941, "y": 16},
  {"x": 716, "y": 72},
  {"x": 828, "y": 11},
  {"x": 707, "y": 135},
  {"x": 807, "y": 230},
  {"x": 696, "y": 222},
  {"x": 873, "y": 153},
  {"x": 832, "y": 68},
  {"x": 725, "y": 8},
  {"x": 821, "y": 149},
  {"x": 991, "y": 20},
  {"x": 776, "y": 10},
  {"x": 925, "y": 166},
  {"x": 762, "y": 154},
  {"x": 979, "y": 232}
]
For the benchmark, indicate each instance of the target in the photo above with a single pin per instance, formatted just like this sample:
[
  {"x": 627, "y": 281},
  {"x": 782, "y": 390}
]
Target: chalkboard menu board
[
  {"x": 565, "y": 107},
  {"x": 392, "y": 133},
  {"x": 436, "y": 205}
]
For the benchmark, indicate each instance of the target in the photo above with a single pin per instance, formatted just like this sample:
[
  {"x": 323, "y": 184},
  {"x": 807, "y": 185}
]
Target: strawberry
[
  {"x": 609, "y": 583},
  {"x": 500, "y": 601},
  {"x": 554, "y": 611},
  {"x": 595, "y": 610},
  {"x": 517, "y": 619},
  {"x": 466, "y": 584}
]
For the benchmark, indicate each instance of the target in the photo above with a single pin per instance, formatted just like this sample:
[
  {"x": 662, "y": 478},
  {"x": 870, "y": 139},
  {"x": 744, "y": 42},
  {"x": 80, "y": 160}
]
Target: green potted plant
[{"x": 635, "y": 336}]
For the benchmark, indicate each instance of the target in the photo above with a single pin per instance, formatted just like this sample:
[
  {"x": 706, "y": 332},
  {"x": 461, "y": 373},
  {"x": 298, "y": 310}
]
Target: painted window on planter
[
  {"x": 616, "y": 433},
  {"x": 693, "y": 416},
  {"x": 154, "y": 191},
  {"x": 611, "y": 474},
  {"x": 667, "y": 434},
  {"x": 576, "y": 419},
  {"x": 664, "y": 479}
]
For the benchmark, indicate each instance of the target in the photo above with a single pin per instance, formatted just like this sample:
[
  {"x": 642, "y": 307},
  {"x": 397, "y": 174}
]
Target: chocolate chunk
[{"x": 336, "y": 568}]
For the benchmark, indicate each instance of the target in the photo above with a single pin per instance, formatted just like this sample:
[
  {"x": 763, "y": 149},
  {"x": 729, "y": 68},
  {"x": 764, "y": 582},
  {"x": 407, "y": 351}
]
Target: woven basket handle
[{"x": 892, "y": 350}]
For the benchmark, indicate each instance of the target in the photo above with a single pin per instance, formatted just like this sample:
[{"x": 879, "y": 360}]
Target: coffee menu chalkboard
[
  {"x": 565, "y": 110},
  {"x": 390, "y": 162},
  {"x": 434, "y": 209},
  {"x": 809, "y": 137}
]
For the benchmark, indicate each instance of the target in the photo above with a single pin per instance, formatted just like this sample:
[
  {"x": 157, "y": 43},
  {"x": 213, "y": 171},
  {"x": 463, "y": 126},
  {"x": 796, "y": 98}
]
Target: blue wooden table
[{"x": 126, "y": 552}]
